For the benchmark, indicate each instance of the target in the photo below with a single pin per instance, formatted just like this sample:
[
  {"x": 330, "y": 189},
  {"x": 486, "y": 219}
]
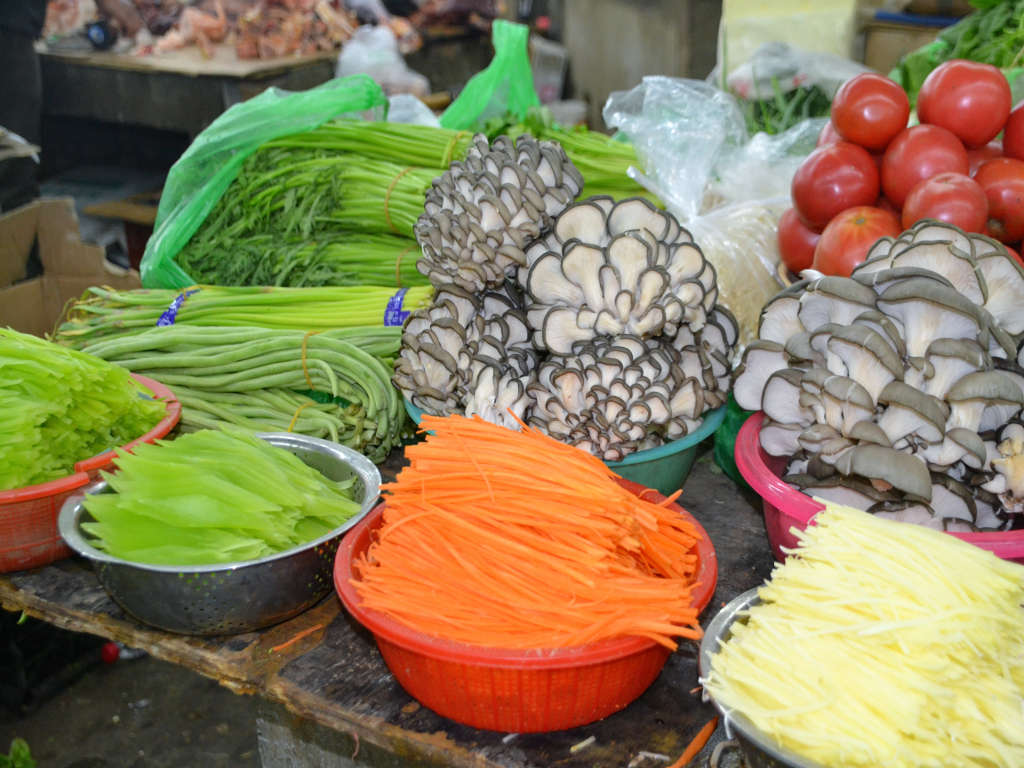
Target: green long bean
[{"x": 262, "y": 379}]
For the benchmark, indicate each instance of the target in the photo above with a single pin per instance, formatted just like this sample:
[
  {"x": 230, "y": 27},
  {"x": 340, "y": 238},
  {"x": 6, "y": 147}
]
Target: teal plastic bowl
[{"x": 664, "y": 468}]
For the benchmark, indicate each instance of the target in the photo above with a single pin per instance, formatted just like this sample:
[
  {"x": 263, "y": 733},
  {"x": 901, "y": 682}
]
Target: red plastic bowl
[
  {"x": 28, "y": 516},
  {"x": 512, "y": 690},
  {"x": 786, "y": 508}
]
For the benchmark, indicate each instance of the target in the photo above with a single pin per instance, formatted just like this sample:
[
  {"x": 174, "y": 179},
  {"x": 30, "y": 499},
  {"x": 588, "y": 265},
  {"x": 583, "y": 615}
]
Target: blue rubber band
[{"x": 171, "y": 313}]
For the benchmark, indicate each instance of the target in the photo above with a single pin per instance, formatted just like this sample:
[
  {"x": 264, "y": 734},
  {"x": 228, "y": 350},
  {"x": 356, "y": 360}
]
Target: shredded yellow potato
[{"x": 882, "y": 644}]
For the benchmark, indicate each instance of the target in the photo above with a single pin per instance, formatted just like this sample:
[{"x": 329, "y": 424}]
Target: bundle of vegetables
[
  {"x": 105, "y": 313},
  {"x": 59, "y": 406},
  {"x": 356, "y": 259},
  {"x": 899, "y": 389},
  {"x": 596, "y": 321},
  {"x": 472, "y": 558},
  {"x": 872, "y": 175},
  {"x": 993, "y": 34},
  {"x": 334, "y": 384},
  {"x": 882, "y": 644},
  {"x": 301, "y": 201},
  {"x": 213, "y": 496}
]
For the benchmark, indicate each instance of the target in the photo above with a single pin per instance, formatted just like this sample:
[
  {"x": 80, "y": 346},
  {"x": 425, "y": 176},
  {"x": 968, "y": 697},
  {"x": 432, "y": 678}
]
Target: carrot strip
[
  {"x": 512, "y": 539},
  {"x": 295, "y": 638},
  {"x": 697, "y": 744}
]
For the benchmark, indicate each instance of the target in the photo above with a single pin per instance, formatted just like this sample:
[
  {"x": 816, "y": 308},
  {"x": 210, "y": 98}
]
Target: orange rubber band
[
  {"x": 398, "y": 264},
  {"x": 446, "y": 160},
  {"x": 299, "y": 410},
  {"x": 305, "y": 369},
  {"x": 387, "y": 198}
]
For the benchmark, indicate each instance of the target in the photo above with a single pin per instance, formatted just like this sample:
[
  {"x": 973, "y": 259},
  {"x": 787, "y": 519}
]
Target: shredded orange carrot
[
  {"x": 493, "y": 537},
  {"x": 697, "y": 744},
  {"x": 296, "y": 637}
]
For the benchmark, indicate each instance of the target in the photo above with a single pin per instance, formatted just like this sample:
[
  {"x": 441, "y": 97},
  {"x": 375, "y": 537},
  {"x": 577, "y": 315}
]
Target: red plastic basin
[
  {"x": 786, "y": 508},
  {"x": 28, "y": 516},
  {"x": 512, "y": 690}
]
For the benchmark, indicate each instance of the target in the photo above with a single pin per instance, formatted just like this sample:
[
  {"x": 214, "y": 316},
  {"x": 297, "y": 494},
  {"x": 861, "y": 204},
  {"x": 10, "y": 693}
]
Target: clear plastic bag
[
  {"x": 374, "y": 51},
  {"x": 780, "y": 65},
  {"x": 727, "y": 189}
]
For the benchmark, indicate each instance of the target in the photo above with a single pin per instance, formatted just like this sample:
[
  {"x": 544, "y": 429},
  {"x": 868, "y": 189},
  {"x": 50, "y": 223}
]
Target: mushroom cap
[{"x": 899, "y": 470}]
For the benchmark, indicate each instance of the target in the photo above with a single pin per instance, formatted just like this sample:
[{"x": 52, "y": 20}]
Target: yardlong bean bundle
[
  {"x": 107, "y": 313},
  {"x": 335, "y": 384}
]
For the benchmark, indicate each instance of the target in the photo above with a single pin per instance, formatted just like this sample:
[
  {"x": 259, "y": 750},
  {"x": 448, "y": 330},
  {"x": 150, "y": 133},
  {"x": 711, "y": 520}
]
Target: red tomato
[
  {"x": 833, "y": 178},
  {"x": 1014, "y": 254},
  {"x": 954, "y": 198},
  {"x": 1013, "y": 134},
  {"x": 969, "y": 98},
  {"x": 828, "y": 135},
  {"x": 979, "y": 155},
  {"x": 919, "y": 153},
  {"x": 847, "y": 238},
  {"x": 886, "y": 205},
  {"x": 870, "y": 110},
  {"x": 796, "y": 242},
  {"x": 1002, "y": 181}
]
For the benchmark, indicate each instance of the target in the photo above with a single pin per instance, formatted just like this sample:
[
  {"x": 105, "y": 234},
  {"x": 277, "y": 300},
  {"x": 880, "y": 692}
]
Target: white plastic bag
[
  {"x": 373, "y": 50},
  {"x": 778, "y": 64},
  {"x": 727, "y": 189}
]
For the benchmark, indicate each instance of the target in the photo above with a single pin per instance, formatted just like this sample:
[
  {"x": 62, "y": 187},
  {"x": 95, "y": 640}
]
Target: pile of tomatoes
[{"x": 873, "y": 176}]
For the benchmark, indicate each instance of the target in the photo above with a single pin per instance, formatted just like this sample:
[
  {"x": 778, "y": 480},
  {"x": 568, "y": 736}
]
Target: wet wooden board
[{"x": 332, "y": 677}]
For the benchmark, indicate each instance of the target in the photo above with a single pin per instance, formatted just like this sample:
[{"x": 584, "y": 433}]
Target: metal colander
[{"x": 229, "y": 598}]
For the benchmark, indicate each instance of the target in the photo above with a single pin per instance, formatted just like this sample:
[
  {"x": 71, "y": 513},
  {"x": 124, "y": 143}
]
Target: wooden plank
[
  {"x": 333, "y": 680},
  {"x": 189, "y": 61}
]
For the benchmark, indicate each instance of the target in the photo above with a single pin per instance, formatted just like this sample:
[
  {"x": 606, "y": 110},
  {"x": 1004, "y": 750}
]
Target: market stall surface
[{"x": 321, "y": 691}]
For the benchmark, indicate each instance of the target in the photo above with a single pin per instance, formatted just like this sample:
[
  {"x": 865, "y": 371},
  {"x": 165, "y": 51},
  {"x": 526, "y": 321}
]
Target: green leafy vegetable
[
  {"x": 214, "y": 497},
  {"x": 993, "y": 34},
  {"x": 18, "y": 757},
  {"x": 59, "y": 406},
  {"x": 783, "y": 110}
]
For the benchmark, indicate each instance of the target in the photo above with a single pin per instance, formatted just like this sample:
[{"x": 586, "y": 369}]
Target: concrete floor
[{"x": 138, "y": 713}]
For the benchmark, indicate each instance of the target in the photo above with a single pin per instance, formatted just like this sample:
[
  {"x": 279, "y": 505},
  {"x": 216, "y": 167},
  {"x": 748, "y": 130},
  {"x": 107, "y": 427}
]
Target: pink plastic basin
[{"x": 786, "y": 508}]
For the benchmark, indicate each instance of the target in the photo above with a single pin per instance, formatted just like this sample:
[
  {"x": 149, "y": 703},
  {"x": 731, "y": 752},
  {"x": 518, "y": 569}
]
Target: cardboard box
[
  {"x": 69, "y": 266},
  {"x": 886, "y": 42}
]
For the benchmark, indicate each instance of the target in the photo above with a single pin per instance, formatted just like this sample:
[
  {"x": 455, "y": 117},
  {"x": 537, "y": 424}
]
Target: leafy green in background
[
  {"x": 18, "y": 757},
  {"x": 993, "y": 34},
  {"x": 782, "y": 110}
]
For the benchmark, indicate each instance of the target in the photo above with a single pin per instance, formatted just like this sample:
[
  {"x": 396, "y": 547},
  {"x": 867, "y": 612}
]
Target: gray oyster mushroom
[
  {"x": 483, "y": 212},
  {"x": 905, "y": 378},
  {"x": 448, "y": 346},
  {"x": 610, "y": 268},
  {"x": 616, "y": 395}
]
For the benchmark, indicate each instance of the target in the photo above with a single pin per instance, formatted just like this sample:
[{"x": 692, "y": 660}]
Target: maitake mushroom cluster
[
  {"x": 899, "y": 389},
  {"x": 596, "y": 321}
]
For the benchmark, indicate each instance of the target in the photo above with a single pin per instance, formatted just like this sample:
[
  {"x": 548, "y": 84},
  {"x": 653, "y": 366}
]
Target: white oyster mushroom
[{"x": 609, "y": 271}]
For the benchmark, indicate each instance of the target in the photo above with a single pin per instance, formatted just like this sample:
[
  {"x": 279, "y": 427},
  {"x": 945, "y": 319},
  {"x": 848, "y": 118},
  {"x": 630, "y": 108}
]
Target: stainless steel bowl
[
  {"x": 759, "y": 749},
  {"x": 228, "y": 598}
]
